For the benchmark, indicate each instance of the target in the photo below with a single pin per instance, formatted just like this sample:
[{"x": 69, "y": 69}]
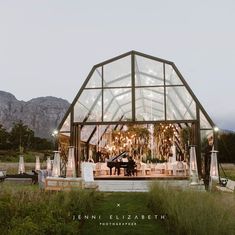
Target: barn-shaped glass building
[{"x": 135, "y": 92}]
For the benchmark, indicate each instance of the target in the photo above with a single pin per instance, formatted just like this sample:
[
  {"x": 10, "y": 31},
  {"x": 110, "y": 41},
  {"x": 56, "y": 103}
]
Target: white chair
[
  {"x": 145, "y": 168},
  {"x": 160, "y": 168},
  {"x": 169, "y": 168},
  {"x": 179, "y": 169}
]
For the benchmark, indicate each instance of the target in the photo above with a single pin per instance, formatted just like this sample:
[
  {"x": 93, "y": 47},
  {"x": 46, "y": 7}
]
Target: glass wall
[
  {"x": 179, "y": 104},
  {"x": 134, "y": 87},
  {"x": 149, "y": 103}
]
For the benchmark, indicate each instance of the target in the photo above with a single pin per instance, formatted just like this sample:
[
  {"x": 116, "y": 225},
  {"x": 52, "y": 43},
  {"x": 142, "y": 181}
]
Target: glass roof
[
  {"x": 148, "y": 72},
  {"x": 108, "y": 93},
  {"x": 117, "y": 73},
  {"x": 133, "y": 87}
]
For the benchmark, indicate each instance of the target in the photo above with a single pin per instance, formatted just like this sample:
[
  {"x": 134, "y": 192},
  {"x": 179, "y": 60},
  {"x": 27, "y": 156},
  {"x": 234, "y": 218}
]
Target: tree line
[
  {"x": 226, "y": 147},
  {"x": 22, "y": 138}
]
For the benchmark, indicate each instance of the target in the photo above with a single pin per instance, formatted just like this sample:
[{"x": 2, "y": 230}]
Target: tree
[
  {"x": 226, "y": 147},
  {"x": 42, "y": 144},
  {"x": 4, "y": 136},
  {"x": 21, "y": 136}
]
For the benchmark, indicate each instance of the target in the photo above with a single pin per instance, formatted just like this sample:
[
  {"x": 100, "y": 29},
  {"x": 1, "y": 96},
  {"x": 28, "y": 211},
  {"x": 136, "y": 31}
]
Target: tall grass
[
  {"x": 229, "y": 170},
  {"x": 25, "y": 210},
  {"x": 12, "y": 168},
  {"x": 191, "y": 212}
]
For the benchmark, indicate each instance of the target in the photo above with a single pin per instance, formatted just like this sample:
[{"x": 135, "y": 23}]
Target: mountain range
[{"x": 42, "y": 114}]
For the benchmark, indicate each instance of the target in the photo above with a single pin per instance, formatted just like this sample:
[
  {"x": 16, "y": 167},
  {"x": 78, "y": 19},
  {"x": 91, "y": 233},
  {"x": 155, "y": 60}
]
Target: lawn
[
  {"x": 229, "y": 170},
  {"x": 26, "y": 209},
  {"x": 194, "y": 212},
  {"x": 119, "y": 204},
  {"x": 12, "y": 167}
]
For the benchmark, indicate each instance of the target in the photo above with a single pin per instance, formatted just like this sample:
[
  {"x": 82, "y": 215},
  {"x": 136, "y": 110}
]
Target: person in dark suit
[
  {"x": 207, "y": 162},
  {"x": 131, "y": 167}
]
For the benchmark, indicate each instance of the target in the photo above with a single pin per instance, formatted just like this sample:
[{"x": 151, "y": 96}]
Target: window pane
[
  {"x": 148, "y": 72},
  {"x": 149, "y": 103},
  {"x": 86, "y": 132},
  {"x": 204, "y": 122},
  {"x": 171, "y": 76},
  {"x": 115, "y": 101},
  {"x": 118, "y": 73},
  {"x": 97, "y": 136},
  {"x": 88, "y": 106},
  {"x": 179, "y": 104},
  {"x": 95, "y": 80}
]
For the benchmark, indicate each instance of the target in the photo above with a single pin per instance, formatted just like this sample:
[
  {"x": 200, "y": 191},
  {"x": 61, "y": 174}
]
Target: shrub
[
  {"x": 191, "y": 212},
  {"x": 27, "y": 210}
]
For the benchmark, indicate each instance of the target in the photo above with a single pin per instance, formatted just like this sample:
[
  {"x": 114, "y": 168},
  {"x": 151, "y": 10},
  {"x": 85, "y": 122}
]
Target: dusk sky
[{"x": 47, "y": 48}]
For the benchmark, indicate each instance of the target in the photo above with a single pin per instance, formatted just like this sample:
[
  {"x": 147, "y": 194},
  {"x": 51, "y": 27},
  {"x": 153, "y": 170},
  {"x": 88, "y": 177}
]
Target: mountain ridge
[{"x": 41, "y": 114}]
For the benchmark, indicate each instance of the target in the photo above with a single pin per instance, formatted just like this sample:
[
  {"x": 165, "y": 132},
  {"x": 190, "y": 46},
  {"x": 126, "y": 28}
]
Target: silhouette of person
[{"x": 131, "y": 167}]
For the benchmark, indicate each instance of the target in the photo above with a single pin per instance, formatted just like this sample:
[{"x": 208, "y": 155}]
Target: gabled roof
[{"x": 135, "y": 87}]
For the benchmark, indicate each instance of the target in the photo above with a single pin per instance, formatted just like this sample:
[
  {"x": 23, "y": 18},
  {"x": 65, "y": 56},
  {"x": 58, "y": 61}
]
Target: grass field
[
  {"x": 229, "y": 170},
  {"x": 27, "y": 208},
  {"x": 12, "y": 167},
  {"x": 130, "y": 204},
  {"x": 13, "y": 156},
  {"x": 195, "y": 212}
]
